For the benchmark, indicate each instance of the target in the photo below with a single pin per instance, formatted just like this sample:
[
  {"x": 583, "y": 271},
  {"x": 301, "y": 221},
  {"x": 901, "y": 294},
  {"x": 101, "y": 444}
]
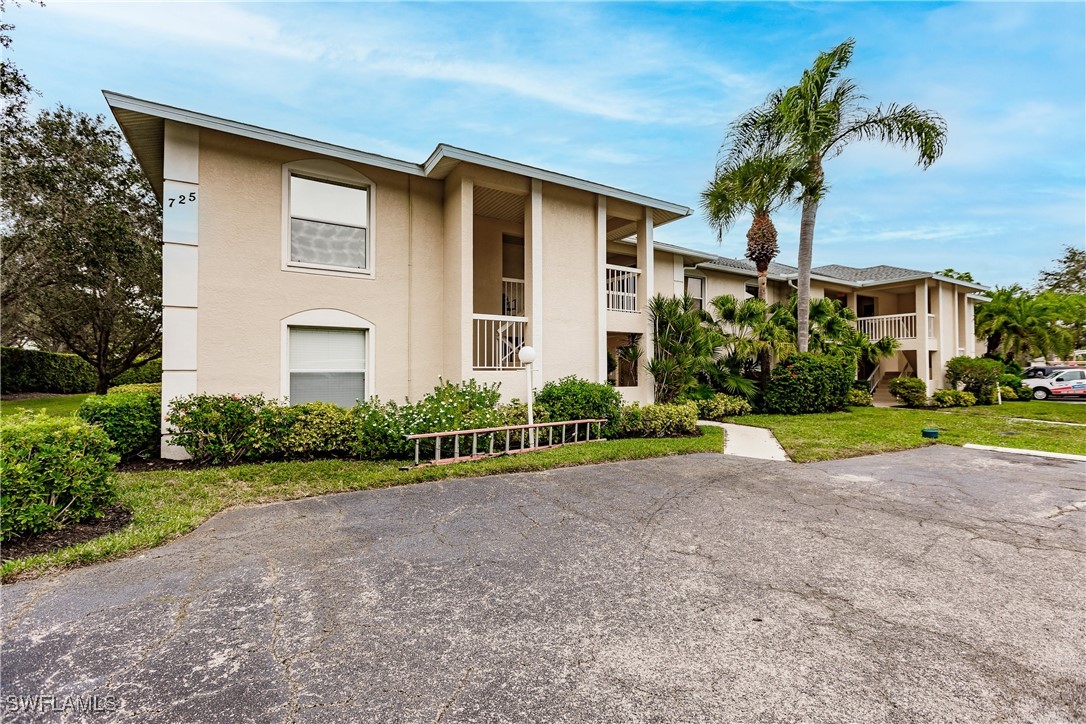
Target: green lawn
[
  {"x": 59, "y": 405},
  {"x": 869, "y": 430},
  {"x": 167, "y": 504}
]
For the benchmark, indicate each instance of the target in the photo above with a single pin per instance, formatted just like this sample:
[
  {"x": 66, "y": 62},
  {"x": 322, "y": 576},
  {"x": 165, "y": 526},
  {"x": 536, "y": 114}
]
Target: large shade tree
[
  {"x": 817, "y": 119},
  {"x": 82, "y": 243}
]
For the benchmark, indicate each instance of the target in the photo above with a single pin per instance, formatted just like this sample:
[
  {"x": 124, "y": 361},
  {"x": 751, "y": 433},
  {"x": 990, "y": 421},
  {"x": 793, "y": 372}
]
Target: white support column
[
  {"x": 923, "y": 345},
  {"x": 533, "y": 239},
  {"x": 467, "y": 278},
  {"x": 601, "y": 286},
  {"x": 180, "y": 269},
  {"x": 645, "y": 292}
]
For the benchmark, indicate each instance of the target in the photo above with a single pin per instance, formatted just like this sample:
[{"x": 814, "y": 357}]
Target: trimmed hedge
[
  {"x": 953, "y": 398},
  {"x": 32, "y": 370},
  {"x": 132, "y": 420},
  {"x": 721, "y": 406},
  {"x": 910, "y": 391},
  {"x": 572, "y": 398},
  {"x": 978, "y": 375},
  {"x": 661, "y": 420},
  {"x": 56, "y": 470},
  {"x": 145, "y": 388},
  {"x": 806, "y": 382},
  {"x": 859, "y": 398},
  {"x": 149, "y": 373}
]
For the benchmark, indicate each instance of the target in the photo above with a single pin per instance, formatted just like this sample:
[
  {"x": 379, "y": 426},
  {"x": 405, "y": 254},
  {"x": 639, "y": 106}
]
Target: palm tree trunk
[
  {"x": 762, "y": 284},
  {"x": 803, "y": 291}
]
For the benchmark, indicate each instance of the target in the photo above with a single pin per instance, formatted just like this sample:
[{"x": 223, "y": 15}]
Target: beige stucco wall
[
  {"x": 570, "y": 283},
  {"x": 244, "y": 294}
]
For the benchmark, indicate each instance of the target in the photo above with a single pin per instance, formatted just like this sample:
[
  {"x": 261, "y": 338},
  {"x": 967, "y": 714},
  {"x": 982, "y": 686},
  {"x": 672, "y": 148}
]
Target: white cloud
[{"x": 203, "y": 23}]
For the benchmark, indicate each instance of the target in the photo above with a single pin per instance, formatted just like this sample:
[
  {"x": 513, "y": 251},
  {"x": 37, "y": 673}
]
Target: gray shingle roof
[
  {"x": 775, "y": 269},
  {"x": 880, "y": 273}
]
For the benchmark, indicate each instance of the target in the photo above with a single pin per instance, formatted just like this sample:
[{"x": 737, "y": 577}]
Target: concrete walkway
[{"x": 749, "y": 442}]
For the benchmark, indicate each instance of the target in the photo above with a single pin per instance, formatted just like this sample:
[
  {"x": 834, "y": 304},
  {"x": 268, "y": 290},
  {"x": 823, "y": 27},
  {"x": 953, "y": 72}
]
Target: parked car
[
  {"x": 1061, "y": 383},
  {"x": 1037, "y": 371}
]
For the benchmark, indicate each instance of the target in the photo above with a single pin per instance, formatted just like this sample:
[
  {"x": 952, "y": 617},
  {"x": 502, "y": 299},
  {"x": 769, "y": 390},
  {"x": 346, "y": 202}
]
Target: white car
[{"x": 1061, "y": 384}]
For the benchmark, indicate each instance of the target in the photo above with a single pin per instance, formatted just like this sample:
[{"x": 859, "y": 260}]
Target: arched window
[{"x": 327, "y": 356}]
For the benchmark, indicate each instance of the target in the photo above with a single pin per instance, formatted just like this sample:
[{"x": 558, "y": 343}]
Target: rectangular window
[
  {"x": 327, "y": 365},
  {"x": 329, "y": 223},
  {"x": 695, "y": 287},
  {"x": 752, "y": 290}
]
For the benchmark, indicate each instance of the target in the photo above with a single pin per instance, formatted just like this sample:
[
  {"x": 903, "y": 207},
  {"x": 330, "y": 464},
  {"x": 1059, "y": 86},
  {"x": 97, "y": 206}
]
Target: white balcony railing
[
  {"x": 621, "y": 285},
  {"x": 898, "y": 326},
  {"x": 498, "y": 338},
  {"x": 513, "y": 297}
]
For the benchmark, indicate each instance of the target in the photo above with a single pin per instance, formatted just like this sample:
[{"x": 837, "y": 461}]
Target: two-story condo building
[{"x": 309, "y": 271}]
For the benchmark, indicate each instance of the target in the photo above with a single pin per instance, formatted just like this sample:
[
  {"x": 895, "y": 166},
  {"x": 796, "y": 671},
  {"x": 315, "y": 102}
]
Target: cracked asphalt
[{"x": 937, "y": 584}]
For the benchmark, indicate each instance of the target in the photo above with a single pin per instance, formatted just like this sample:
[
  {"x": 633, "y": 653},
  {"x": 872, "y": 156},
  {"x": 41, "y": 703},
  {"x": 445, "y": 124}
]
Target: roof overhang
[
  {"x": 889, "y": 282},
  {"x": 143, "y": 124}
]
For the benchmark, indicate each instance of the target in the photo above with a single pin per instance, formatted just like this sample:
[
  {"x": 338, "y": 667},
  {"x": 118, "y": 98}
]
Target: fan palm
[
  {"x": 817, "y": 118},
  {"x": 759, "y": 184},
  {"x": 683, "y": 345},
  {"x": 752, "y": 330},
  {"x": 1023, "y": 325}
]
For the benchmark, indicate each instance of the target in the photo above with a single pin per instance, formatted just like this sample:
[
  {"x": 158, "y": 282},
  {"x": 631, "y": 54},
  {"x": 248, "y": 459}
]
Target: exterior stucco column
[
  {"x": 180, "y": 269},
  {"x": 645, "y": 292},
  {"x": 601, "y": 291},
  {"x": 459, "y": 273},
  {"x": 533, "y": 257},
  {"x": 923, "y": 344}
]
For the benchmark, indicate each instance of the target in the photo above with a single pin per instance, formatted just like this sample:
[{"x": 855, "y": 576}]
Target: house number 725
[{"x": 182, "y": 199}]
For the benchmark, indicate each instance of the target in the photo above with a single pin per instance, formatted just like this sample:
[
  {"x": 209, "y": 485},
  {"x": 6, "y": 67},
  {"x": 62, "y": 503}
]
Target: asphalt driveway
[{"x": 935, "y": 584}]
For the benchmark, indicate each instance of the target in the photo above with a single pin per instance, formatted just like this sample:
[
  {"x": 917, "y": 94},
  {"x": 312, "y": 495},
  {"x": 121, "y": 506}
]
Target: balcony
[
  {"x": 898, "y": 326},
  {"x": 621, "y": 285},
  {"x": 497, "y": 339}
]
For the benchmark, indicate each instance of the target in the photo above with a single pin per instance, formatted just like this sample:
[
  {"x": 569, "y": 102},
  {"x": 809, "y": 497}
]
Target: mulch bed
[{"x": 114, "y": 518}]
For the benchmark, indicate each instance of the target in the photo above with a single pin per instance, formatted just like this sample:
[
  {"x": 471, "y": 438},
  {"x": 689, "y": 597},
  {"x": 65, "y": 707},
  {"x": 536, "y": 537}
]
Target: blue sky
[{"x": 636, "y": 96}]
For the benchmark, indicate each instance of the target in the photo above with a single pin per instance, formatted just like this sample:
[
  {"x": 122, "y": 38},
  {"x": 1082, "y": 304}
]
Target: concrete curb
[{"x": 1034, "y": 453}]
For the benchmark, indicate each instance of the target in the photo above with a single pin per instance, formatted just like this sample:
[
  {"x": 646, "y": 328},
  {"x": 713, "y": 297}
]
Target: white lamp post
[{"x": 527, "y": 357}]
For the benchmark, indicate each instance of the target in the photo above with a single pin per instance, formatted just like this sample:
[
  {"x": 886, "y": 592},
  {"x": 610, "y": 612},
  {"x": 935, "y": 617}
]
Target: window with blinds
[
  {"x": 329, "y": 224},
  {"x": 327, "y": 365},
  {"x": 695, "y": 287}
]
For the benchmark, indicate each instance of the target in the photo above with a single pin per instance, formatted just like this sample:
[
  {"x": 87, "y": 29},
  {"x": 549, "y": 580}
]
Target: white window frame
[
  {"x": 337, "y": 173},
  {"x": 327, "y": 319},
  {"x": 704, "y": 284}
]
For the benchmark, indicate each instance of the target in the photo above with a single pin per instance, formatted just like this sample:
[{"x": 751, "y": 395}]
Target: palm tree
[
  {"x": 1023, "y": 325},
  {"x": 817, "y": 118},
  {"x": 760, "y": 184},
  {"x": 751, "y": 331},
  {"x": 683, "y": 347}
]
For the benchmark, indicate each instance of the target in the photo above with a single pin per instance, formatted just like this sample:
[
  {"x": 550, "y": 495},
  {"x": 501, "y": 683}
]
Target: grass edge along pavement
[
  {"x": 169, "y": 503},
  {"x": 870, "y": 430}
]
